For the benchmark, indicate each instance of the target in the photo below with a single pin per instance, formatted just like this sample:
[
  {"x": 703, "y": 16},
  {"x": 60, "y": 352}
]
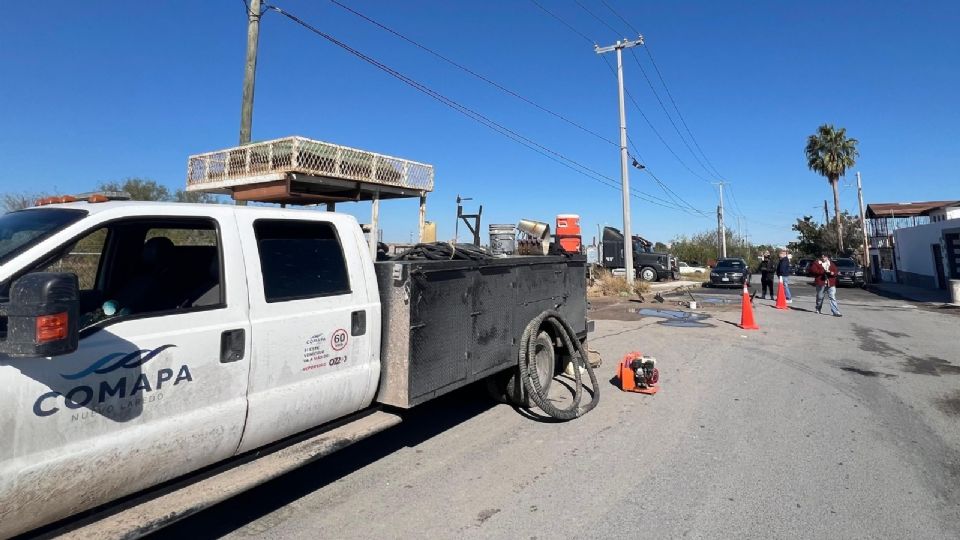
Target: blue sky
[{"x": 111, "y": 89}]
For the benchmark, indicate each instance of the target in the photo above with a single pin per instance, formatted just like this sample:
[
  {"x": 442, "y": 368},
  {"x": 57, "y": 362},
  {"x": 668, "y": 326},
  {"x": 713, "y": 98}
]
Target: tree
[
  {"x": 185, "y": 196},
  {"x": 19, "y": 201},
  {"x": 702, "y": 247},
  {"x": 815, "y": 238},
  {"x": 139, "y": 189},
  {"x": 830, "y": 153}
]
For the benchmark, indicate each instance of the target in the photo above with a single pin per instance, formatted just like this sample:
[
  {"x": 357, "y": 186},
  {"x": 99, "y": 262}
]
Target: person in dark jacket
[
  {"x": 767, "y": 268},
  {"x": 824, "y": 272},
  {"x": 783, "y": 272}
]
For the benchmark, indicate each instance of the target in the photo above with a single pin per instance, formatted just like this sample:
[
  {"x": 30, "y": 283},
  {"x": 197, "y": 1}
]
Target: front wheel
[{"x": 648, "y": 274}]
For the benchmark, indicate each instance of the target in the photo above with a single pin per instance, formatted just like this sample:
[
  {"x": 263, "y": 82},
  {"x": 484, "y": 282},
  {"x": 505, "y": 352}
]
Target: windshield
[
  {"x": 730, "y": 265},
  {"x": 20, "y": 230},
  {"x": 846, "y": 263}
]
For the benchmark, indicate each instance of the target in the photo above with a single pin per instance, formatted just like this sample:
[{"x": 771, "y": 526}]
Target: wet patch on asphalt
[
  {"x": 867, "y": 372},
  {"x": 677, "y": 318},
  {"x": 949, "y": 405},
  {"x": 931, "y": 365},
  {"x": 870, "y": 342}
]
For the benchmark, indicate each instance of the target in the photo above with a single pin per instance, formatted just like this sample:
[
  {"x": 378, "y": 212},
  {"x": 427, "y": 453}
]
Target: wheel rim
[{"x": 544, "y": 363}]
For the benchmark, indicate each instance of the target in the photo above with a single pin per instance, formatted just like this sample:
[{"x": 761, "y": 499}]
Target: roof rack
[{"x": 297, "y": 170}]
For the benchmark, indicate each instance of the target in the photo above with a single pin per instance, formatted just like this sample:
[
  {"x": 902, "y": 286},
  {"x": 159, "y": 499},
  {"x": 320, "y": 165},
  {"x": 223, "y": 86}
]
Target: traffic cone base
[
  {"x": 781, "y": 296},
  {"x": 747, "y": 321}
]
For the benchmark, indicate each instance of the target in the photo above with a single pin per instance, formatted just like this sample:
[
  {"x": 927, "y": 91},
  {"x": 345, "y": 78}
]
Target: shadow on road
[{"x": 419, "y": 425}]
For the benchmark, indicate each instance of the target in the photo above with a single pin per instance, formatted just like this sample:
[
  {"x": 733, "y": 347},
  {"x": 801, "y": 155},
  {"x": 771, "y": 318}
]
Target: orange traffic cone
[
  {"x": 781, "y": 296},
  {"x": 746, "y": 312},
  {"x": 747, "y": 321}
]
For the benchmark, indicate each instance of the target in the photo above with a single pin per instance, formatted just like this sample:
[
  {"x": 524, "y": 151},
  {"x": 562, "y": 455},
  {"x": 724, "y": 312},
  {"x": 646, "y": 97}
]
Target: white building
[
  {"x": 929, "y": 255},
  {"x": 884, "y": 220}
]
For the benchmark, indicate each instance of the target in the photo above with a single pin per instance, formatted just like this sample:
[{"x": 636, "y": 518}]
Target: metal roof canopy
[
  {"x": 297, "y": 170},
  {"x": 905, "y": 210}
]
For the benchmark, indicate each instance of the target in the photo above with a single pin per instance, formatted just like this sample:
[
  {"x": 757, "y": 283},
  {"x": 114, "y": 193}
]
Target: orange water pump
[{"x": 638, "y": 373}]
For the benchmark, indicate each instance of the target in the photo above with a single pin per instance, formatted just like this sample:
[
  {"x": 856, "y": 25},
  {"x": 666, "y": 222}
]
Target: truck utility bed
[{"x": 449, "y": 323}]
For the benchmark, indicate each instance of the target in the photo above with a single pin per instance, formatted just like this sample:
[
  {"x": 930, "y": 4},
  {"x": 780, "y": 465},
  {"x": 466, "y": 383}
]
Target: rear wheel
[{"x": 546, "y": 365}]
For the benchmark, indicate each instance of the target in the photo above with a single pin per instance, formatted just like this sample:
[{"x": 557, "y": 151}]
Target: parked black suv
[
  {"x": 849, "y": 272},
  {"x": 803, "y": 266},
  {"x": 730, "y": 272}
]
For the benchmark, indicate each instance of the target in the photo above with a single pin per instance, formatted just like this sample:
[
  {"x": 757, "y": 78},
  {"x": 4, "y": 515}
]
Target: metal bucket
[{"x": 503, "y": 239}]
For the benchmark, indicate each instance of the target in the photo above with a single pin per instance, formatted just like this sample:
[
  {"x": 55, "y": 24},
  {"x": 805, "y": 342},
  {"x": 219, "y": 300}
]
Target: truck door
[
  {"x": 157, "y": 386},
  {"x": 315, "y": 316}
]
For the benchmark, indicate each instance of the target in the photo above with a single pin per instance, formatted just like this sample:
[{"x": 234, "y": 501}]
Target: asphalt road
[{"x": 811, "y": 427}]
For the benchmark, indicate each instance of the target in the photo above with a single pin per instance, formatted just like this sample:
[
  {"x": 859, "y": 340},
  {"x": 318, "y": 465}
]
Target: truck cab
[
  {"x": 147, "y": 340},
  {"x": 648, "y": 265}
]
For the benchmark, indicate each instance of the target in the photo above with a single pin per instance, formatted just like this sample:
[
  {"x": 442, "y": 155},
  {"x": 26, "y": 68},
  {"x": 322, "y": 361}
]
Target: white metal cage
[{"x": 269, "y": 161}]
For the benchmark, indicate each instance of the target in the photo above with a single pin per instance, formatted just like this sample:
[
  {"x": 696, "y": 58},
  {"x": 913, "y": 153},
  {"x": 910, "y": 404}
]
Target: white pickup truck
[{"x": 141, "y": 342}]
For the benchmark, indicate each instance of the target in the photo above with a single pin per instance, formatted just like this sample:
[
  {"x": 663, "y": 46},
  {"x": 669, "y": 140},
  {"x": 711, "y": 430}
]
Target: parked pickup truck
[{"x": 141, "y": 342}]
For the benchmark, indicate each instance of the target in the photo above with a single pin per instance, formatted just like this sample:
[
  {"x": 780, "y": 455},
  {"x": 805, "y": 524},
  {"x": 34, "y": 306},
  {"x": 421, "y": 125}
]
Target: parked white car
[{"x": 687, "y": 269}]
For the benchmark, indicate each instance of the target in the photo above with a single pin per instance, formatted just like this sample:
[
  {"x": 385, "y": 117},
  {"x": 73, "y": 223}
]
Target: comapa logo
[{"x": 87, "y": 395}]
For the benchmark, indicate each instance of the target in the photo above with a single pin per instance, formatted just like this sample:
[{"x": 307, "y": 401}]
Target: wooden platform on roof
[{"x": 297, "y": 170}]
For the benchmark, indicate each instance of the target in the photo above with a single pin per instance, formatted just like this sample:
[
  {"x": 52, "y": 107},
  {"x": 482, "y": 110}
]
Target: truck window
[
  {"x": 82, "y": 259},
  {"x": 142, "y": 267},
  {"x": 300, "y": 259}
]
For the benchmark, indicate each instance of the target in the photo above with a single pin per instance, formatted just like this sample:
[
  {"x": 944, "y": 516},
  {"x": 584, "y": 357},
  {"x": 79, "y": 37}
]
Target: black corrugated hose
[
  {"x": 528, "y": 372},
  {"x": 443, "y": 251}
]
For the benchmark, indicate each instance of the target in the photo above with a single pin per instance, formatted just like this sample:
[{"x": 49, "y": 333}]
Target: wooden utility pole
[{"x": 250, "y": 71}]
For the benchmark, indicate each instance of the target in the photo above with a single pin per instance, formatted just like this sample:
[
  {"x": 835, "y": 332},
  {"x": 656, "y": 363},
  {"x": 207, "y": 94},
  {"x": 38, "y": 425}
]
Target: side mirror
[{"x": 42, "y": 316}]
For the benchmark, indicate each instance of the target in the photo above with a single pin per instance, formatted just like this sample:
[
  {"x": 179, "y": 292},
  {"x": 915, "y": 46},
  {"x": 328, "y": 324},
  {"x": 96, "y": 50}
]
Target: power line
[
  {"x": 655, "y": 131},
  {"x": 594, "y": 15},
  {"x": 735, "y": 203},
  {"x": 667, "y": 113},
  {"x": 679, "y": 115},
  {"x": 474, "y": 73},
  {"x": 474, "y": 115},
  {"x": 635, "y": 31},
  {"x": 563, "y": 22},
  {"x": 635, "y": 104},
  {"x": 667, "y": 89},
  {"x": 666, "y": 189}
]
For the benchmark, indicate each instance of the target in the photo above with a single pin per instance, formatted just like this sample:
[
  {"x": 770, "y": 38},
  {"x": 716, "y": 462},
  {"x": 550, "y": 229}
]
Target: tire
[
  {"x": 546, "y": 368},
  {"x": 648, "y": 273}
]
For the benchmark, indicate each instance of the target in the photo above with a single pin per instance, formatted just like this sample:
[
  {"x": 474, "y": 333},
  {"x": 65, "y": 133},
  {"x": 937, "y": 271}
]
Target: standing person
[
  {"x": 767, "y": 268},
  {"x": 825, "y": 278},
  {"x": 783, "y": 272}
]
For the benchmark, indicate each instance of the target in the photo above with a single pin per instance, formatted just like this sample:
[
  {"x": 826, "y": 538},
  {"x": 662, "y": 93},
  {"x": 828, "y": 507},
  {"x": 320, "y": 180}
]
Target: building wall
[
  {"x": 915, "y": 253},
  {"x": 945, "y": 214}
]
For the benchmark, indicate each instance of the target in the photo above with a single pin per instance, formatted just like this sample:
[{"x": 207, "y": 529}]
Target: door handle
[
  {"x": 232, "y": 345},
  {"x": 358, "y": 323}
]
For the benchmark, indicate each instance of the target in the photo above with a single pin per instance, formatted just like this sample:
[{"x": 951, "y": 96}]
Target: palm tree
[{"x": 830, "y": 153}]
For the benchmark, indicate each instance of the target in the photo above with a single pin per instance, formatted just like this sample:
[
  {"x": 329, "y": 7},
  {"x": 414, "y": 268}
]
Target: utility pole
[
  {"x": 721, "y": 231},
  {"x": 863, "y": 225},
  {"x": 624, "y": 172},
  {"x": 249, "y": 75},
  {"x": 740, "y": 235},
  {"x": 250, "y": 71},
  {"x": 826, "y": 214}
]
